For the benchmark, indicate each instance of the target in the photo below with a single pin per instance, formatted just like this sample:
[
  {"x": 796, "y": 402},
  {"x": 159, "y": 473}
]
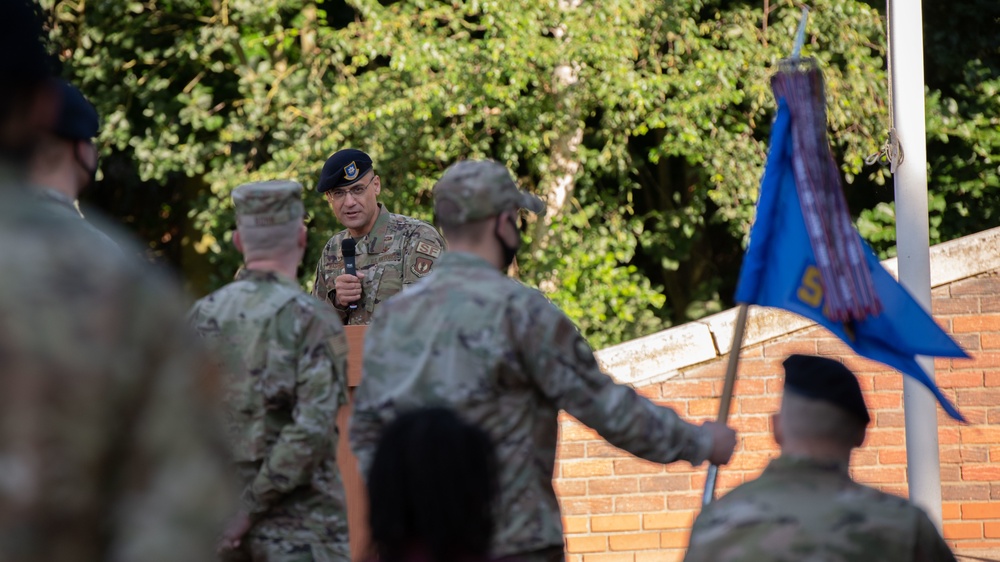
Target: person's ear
[
  {"x": 303, "y": 236},
  {"x": 510, "y": 217},
  {"x": 237, "y": 241},
  {"x": 779, "y": 435}
]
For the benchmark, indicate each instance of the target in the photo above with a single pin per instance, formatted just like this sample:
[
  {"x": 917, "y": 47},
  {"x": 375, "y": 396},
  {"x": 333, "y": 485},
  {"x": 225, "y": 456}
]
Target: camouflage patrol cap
[
  {"x": 820, "y": 378},
  {"x": 268, "y": 203},
  {"x": 473, "y": 190}
]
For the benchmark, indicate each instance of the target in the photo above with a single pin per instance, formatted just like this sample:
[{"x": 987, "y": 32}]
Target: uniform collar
[
  {"x": 259, "y": 276},
  {"x": 464, "y": 259},
  {"x": 790, "y": 462},
  {"x": 57, "y": 196},
  {"x": 375, "y": 241}
]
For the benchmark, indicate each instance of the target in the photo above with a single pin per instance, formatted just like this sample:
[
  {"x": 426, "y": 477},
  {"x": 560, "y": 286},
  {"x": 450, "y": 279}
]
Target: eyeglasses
[{"x": 355, "y": 192}]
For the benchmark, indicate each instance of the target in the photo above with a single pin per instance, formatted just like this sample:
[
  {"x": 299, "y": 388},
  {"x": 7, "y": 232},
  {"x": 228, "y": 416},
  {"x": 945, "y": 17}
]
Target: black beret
[
  {"x": 343, "y": 168},
  {"x": 824, "y": 379},
  {"x": 77, "y": 117}
]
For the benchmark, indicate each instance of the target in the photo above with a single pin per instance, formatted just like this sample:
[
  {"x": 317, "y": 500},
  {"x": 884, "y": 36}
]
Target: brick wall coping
[{"x": 661, "y": 356}]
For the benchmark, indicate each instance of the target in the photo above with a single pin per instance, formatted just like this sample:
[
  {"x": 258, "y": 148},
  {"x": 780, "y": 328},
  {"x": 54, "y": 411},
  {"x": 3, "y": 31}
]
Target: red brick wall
[{"x": 621, "y": 509}]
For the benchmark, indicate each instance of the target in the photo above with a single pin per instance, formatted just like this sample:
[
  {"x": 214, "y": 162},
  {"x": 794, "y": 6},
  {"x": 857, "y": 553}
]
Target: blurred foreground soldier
[
  {"x": 104, "y": 433},
  {"x": 507, "y": 360},
  {"x": 804, "y": 506},
  {"x": 431, "y": 490},
  {"x": 65, "y": 161},
  {"x": 392, "y": 250},
  {"x": 285, "y": 355}
]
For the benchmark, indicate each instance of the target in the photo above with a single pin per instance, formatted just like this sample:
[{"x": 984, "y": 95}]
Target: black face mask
[{"x": 509, "y": 252}]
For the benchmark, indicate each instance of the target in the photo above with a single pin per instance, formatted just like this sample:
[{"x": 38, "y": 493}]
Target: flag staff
[
  {"x": 907, "y": 118},
  {"x": 741, "y": 316},
  {"x": 727, "y": 393}
]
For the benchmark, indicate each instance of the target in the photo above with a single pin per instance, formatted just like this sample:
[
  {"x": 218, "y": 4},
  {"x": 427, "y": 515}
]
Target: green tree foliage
[
  {"x": 643, "y": 123},
  {"x": 962, "y": 75}
]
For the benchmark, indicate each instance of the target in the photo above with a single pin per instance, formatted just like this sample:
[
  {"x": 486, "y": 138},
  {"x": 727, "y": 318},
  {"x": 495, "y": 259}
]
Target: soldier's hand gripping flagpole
[{"x": 727, "y": 394}]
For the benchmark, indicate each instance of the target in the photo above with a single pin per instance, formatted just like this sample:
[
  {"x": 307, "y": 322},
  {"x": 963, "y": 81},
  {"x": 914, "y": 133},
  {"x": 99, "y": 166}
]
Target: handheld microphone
[{"x": 350, "y": 268}]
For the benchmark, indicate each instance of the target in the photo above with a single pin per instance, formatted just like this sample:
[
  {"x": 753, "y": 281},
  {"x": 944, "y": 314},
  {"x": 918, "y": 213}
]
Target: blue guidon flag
[{"x": 780, "y": 270}]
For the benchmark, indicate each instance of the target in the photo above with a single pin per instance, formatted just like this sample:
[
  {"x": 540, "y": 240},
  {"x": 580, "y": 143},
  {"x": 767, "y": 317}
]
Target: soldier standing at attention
[
  {"x": 65, "y": 162},
  {"x": 805, "y": 506},
  {"x": 105, "y": 445},
  {"x": 507, "y": 360},
  {"x": 392, "y": 250},
  {"x": 285, "y": 355}
]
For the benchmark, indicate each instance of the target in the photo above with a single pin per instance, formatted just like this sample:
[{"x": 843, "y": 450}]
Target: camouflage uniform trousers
[
  {"x": 273, "y": 542},
  {"x": 296, "y": 530},
  {"x": 279, "y": 540}
]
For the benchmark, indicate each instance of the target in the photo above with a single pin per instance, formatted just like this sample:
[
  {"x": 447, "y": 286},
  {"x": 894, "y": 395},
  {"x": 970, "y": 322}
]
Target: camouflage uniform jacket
[
  {"x": 105, "y": 403},
  {"x": 507, "y": 359},
  {"x": 285, "y": 356},
  {"x": 398, "y": 251},
  {"x": 800, "y": 509}
]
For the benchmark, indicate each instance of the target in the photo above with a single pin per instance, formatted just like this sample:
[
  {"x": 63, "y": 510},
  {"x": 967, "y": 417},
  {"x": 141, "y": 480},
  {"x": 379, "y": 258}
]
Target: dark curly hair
[{"x": 431, "y": 488}]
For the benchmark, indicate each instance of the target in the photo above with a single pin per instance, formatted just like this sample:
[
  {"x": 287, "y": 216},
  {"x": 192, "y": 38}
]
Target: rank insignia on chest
[
  {"x": 390, "y": 257},
  {"x": 422, "y": 266},
  {"x": 426, "y": 248},
  {"x": 351, "y": 171}
]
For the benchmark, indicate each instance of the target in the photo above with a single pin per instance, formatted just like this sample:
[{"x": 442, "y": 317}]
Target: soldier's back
[
  {"x": 803, "y": 510},
  {"x": 285, "y": 362},
  {"x": 105, "y": 450},
  {"x": 447, "y": 339},
  {"x": 457, "y": 339}
]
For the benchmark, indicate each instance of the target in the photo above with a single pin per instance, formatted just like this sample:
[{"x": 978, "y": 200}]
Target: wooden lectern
[{"x": 354, "y": 484}]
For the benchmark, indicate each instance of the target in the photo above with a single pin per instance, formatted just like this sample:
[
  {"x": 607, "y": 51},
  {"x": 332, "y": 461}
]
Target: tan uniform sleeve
[{"x": 562, "y": 365}]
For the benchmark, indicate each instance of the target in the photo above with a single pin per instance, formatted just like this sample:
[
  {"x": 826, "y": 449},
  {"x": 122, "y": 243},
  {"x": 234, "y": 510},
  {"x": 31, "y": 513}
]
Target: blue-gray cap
[{"x": 77, "y": 117}]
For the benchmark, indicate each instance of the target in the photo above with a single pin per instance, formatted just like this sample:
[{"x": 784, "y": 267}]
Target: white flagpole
[{"x": 906, "y": 63}]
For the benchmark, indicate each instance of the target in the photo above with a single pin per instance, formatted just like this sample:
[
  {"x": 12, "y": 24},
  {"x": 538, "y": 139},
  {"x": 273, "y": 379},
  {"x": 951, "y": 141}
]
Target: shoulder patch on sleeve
[
  {"x": 428, "y": 249},
  {"x": 422, "y": 266}
]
